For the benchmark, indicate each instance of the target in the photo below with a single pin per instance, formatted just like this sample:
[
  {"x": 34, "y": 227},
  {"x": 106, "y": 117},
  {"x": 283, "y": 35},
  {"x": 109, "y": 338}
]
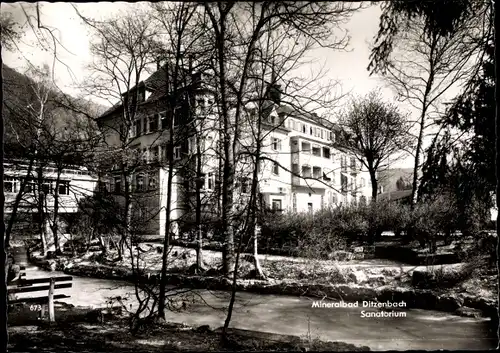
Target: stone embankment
[{"x": 458, "y": 304}]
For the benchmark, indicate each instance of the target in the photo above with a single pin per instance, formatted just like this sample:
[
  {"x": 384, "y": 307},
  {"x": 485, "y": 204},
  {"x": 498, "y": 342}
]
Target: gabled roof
[{"x": 155, "y": 83}]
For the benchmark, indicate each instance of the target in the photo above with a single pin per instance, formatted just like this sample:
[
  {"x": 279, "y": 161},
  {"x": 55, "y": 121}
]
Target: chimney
[{"x": 274, "y": 88}]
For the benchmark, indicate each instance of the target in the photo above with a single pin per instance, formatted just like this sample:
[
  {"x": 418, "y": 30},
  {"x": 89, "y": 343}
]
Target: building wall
[
  {"x": 80, "y": 183},
  {"x": 283, "y": 144}
]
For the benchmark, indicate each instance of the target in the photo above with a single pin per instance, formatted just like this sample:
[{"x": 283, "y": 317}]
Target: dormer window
[
  {"x": 147, "y": 94},
  {"x": 141, "y": 95}
]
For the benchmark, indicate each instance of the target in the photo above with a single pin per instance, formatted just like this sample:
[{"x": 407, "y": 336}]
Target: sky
[{"x": 348, "y": 67}]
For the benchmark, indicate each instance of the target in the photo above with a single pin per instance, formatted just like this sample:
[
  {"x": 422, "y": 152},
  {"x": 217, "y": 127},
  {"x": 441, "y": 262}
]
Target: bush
[
  {"x": 313, "y": 235},
  {"x": 383, "y": 216}
]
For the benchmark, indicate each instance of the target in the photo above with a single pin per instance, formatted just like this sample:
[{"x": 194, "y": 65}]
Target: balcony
[{"x": 308, "y": 176}]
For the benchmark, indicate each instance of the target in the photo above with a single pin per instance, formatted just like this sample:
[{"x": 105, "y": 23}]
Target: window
[
  {"x": 163, "y": 152},
  {"x": 306, "y": 147},
  {"x": 163, "y": 120},
  {"x": 177, "y": 152},
  {"x": 144, "y": 125},
  {"x": 245, "y": 185},
  {"x": 325, "y": 177},
  {"x": 47, "y": 187},
  {"x": 306, "y": 171},
  {"x": 139, "y": 183},
  {"x": 118, "y": 185},
  {"x": 152, "y": 182},
  {"x": 177, "y": 118},
  {"x": 276, "y": 205},
  {"x": 9, "y": 185},
  {"x": 304, "y": 128},
  {"x": 137, "y": 127},
  {"x": 210, "y": 181},
  {"x": 343, "y": 162},
  {"x": 316, "y": 172},
  {"x": 343, "y": 182},
  {"x": 316, "y": 151},
  {"x": 145, "y": 155},
  {"x": 153, "y": 122},
  {"x": 141, "y": 95},
  {"x": 63, "y": 188},
  {"x": 192, "y": 145},
  {"x": 322, "y": 133},
  {"x": 353, "y": 163},
  {"x": 334, "y": 199},
  {"x": 310, "y": 207},
  {"x": 331, "y": 136},
  {"x": 316, "y": 132},
  {"x": 294, "y": 202},
  {"x": 276, "y": 168},
  {"x": 276, "y": 144},
  {"x": 29, "y": 187},
  {"x": 296, "y": 126},
  {"x": 201, "y": 106},
  {"x": 154, "y": 153},
  {"x": 326, "y": 152}
]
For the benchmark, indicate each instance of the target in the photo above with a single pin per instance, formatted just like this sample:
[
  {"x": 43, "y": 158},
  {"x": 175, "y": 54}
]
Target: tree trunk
[
  {"x": 41, "y": 212},
  {"x": 374, "y": 181},
  {"x": 372, "y": 232},
  {"x": 102, "y": 243},
  {"x": 17, "y": 201},
  {"x": 166, "y": 240},
  {"x": 55, "y": 225},
  {"x": 199, "y": 247},
  {"x": 259, "y": 273},
  {"x": 414, "y": 186}
]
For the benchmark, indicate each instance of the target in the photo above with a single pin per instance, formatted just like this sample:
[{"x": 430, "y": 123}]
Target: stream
[{"x": 420, "y": 329}]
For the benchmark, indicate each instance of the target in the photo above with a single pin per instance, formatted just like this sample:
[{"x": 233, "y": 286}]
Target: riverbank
[{"x": 321, "y": 279}]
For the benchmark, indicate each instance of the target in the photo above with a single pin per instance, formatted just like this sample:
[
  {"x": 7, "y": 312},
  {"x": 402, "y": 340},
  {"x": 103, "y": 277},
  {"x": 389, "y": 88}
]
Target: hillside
[{"x": 64, "y": 117}]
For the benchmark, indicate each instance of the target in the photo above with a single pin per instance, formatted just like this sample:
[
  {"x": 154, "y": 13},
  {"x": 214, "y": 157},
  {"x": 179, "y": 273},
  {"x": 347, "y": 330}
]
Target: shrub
[
  {"x": 383, "y": 216},
  {"x": 313, "y": 235}
]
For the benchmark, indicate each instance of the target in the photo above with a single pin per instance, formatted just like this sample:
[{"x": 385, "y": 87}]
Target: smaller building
[{"x": 74, "y": 184}]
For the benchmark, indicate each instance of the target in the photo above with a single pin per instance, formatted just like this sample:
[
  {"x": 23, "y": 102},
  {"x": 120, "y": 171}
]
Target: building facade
[
  {"x": 75, "y": 183},
  {"x": 298, "y": 169}
]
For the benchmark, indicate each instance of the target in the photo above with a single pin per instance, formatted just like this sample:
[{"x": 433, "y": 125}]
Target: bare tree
[
  {"x": 373, "y": 131},
  {"x": 122, "y": 52},
  {"x": 177, "y": 49},
  {"x": 424, "y": 65},
  {"x": 235, "y": 30}
]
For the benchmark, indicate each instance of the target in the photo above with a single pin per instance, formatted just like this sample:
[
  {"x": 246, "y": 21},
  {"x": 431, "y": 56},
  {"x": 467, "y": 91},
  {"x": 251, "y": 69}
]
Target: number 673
[{"x": 36, "y": 307}]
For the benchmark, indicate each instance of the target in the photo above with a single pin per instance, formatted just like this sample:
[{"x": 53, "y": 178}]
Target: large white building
[{"x": 299, "y": 171}]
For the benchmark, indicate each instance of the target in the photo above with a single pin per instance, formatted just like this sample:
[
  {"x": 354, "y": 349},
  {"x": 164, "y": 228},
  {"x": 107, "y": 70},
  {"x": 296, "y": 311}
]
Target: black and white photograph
[{"x": 249, "y": 176}]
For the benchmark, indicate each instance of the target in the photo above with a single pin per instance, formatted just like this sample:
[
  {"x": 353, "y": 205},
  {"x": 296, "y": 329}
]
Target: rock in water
[{"x": 358, "y": 277}]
